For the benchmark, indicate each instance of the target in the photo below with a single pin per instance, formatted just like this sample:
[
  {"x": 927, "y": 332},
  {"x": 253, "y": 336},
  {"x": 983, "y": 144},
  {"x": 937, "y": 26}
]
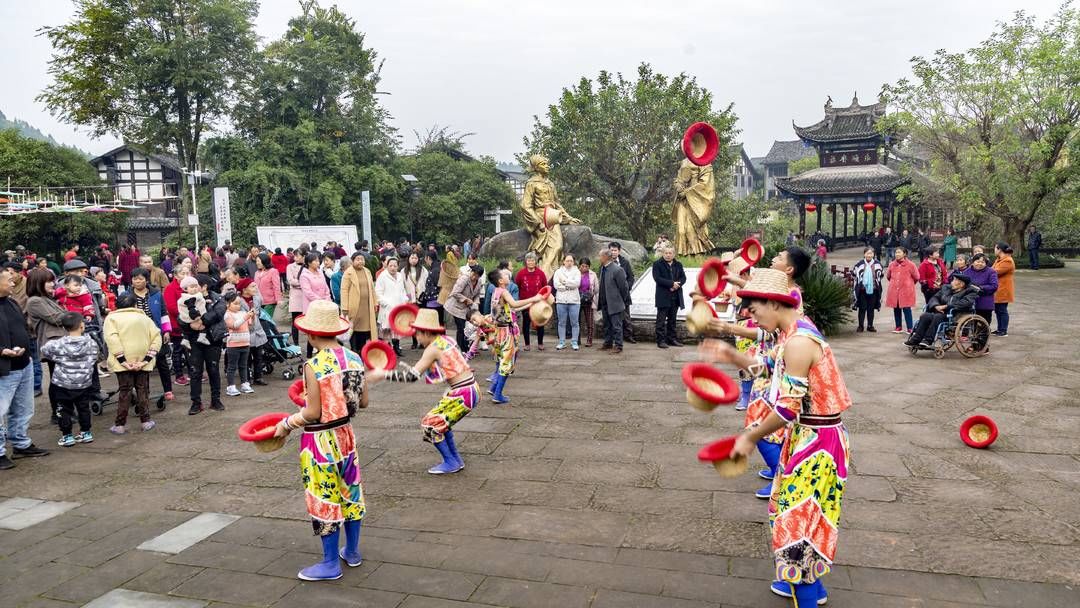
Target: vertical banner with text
[
  {"x": 222, "y": 216},
  {"x": 365, "y": 211}
]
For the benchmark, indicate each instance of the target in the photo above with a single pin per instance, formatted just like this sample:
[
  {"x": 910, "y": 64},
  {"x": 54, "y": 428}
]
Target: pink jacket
[
  {"x": 313, "y": 286},
  {"x": 902, "y": 276},
  {"x": 269, "y": 283}
]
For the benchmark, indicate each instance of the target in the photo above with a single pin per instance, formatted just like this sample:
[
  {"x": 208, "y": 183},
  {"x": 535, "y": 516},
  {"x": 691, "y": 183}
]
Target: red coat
[
  {"x": 171, "y": 295},
  {"x": 902, "y": 276},
  {"x": 529, "y": 283},
  {"x": 931, "y": 275},
  {"x": 129, "y": 260},
  {"x": 279, "y": 261}
]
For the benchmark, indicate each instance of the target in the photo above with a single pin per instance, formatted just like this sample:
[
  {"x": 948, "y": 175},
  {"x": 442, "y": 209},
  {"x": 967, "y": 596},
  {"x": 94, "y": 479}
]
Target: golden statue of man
[
  {"x": 543, "y": 216},
  {"x": 694, "y": 196}
]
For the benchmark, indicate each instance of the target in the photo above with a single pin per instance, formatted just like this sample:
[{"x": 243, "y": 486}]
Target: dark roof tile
[
  {"x": 787, "y": 151},
  {"x": 859, "y": 179}
]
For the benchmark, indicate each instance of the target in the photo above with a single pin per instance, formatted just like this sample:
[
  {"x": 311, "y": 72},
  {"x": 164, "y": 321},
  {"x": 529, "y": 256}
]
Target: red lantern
[
  {"x": 869, "y": 206},
  {"x": 811, "y": 208}
]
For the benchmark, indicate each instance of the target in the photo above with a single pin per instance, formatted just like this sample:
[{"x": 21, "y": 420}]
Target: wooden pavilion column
[
  {"x": 833, "y": 222},
  {"x": 844, "y": 207}
]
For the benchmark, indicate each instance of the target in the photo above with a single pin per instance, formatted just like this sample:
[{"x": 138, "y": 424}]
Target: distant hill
[{"x": 28, "y": 130}]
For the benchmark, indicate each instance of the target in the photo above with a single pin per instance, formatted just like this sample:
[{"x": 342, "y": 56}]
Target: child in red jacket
[{"x": 75, "y": 297}]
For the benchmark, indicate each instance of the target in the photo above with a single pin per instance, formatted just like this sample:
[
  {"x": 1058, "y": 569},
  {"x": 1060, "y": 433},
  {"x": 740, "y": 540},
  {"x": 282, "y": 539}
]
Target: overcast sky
[{"x": 488, "y": 66}]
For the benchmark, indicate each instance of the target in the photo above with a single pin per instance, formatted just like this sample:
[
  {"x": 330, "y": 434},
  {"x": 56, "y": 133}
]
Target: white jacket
[
  {"x": 389, "y": 292},
  {"x": 567, "y": 284}
]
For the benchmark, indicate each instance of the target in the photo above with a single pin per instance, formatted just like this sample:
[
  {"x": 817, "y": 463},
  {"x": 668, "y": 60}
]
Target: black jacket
[
  {"x": 614, "y": 295},
  {"x": 13, "y": 334},
  {"x": 665, "y": 275},
  {"x": 214, "y": 320},
  {"x": 959, "y": 301},
  {"x": 628, "y": 270}
]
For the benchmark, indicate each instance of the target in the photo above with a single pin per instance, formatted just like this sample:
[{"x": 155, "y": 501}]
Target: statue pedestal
[{"x": 577, "y": 240}]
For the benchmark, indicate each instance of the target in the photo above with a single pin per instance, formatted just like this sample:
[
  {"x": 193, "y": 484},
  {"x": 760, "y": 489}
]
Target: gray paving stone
[
  {"x": 557, "y": 525},
  {"x": 110, "y": 575},
  {"x": 235, "y": 587},
  {"x": 623, "y": 499},
  {"x": 419, "y": 601},
  {"x": 924, "y": 585},
  {"x": 124, "y": 598},
  {"x": 162, "y": 578},
  {"x": 879, "y": 463},
  {"x": 507, "y": 564},
  {"x": 18, "y": 519},
  {"x": 1017, "y": 594},
  {"x": 537, "y": 493},
  {"x": 188, "y": 533},
  {"x": 210, "y": 554},
  {"x": 673, "y": 560},
  {"x": 607, "y": 576},
  {"x": 289, "y": 564},
  {"x": 607, "y": 598},
  {"x": 525, "y": 594},
  {"x": 319, "y": 595},
  {"x": 709, "y": 588},
  {"x": 423, "y": 581}
]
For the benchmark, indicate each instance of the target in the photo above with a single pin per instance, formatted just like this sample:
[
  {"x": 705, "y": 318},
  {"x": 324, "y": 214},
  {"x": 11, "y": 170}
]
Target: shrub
[
  {"x": 1045, "y": 261},
  {"x": 826, "y": 298}
]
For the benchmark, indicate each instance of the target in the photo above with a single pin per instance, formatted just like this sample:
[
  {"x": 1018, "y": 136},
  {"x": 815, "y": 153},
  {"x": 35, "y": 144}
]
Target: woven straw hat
[
  {"x": 322, "y": 319},
  {"x": 428, "y": 320},
  {"x": 540, "y": 313},
  {"x": 769, "y": 284}
]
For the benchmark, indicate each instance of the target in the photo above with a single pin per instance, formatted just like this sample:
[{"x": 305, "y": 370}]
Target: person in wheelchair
[{"x": 958, "y": 296}]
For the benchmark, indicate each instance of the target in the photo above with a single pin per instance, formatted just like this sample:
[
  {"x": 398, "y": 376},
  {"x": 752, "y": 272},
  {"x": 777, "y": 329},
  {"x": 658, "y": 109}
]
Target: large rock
[{"x": 578, "y": 240}]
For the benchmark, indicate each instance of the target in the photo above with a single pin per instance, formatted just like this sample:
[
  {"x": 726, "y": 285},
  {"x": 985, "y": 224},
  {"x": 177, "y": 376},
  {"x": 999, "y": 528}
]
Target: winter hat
[
  {"x": 189, "y": 282},
  {"x": 242, "y": 284}
]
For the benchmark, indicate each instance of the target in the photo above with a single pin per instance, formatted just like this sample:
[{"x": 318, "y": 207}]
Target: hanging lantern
[
  {"x": 811, "y": 207},
  {"x": 869, "y": 207}
]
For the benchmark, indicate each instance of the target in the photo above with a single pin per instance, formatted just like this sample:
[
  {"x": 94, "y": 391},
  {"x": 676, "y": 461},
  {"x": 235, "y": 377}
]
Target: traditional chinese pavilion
[{"x": 852, "y": 179}]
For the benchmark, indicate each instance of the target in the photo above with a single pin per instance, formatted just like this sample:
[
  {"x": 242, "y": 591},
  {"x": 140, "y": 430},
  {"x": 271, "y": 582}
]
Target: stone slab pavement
[{"x": 586, "y": 491}]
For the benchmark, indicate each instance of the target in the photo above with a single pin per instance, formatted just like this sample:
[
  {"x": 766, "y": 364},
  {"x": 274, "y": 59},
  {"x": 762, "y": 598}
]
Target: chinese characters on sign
[
  {"x": 852, "y": 157},
  {"x": 222, "y": 216}
]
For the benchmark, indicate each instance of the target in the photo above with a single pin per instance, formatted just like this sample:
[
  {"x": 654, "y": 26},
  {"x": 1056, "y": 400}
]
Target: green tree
[
  {"x": 311, "y": 136},
  {"x": 615, "y": 147},
  {"x": 154, "y": 72},
  {"x": 999, "y": 119},
  {"x": 453, "y": 195},
  {"x": 803, "y": 165},
  {"x": 31, "y": 162}
]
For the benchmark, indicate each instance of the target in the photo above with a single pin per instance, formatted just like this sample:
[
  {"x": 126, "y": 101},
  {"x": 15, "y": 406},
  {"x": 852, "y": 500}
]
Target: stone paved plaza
[{"x": 584, "y": 493}]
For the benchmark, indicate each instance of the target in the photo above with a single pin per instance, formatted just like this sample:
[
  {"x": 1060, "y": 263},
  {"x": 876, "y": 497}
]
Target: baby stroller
[{"x": 278, "y": 349}]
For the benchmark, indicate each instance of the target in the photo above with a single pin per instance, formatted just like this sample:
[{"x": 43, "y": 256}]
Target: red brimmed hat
[
  {"x": 378, "y": 355},
  {"x": 719, "y": 454},
  {"x": 401, "y": 318},
  {"x": 769, "y": 284},
  {"x": 260, "y": 431},
  {"x": 752, "y": 251},
  {"x": 707, "y": 386},
  {"x": 322, "y": 319},
  {"x": 296, "y": 393},
  {"x": 700, "y": 143},
  {"x": 979, "y": 431},
  {"x": 428, "y": 320},
  {"x": 710, "y": 278}
]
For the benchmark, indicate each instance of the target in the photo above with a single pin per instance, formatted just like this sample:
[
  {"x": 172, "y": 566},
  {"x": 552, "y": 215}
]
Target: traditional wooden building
[
  {"x": 743, "y": 174},
  {"x": 776, "y": 161},
  {"x": 853, "y": 182}
]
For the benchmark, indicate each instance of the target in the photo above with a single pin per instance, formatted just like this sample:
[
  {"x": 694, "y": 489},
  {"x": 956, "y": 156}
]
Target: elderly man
[
  {"x": 465, "y": 298},
  {"x": 628, "y": 270},
  {"x": 613, "y": 296},
  {"x": 669, "y": 276},
  {"x": 16, "y": 378},
  {"x": 158, "y": 278}
]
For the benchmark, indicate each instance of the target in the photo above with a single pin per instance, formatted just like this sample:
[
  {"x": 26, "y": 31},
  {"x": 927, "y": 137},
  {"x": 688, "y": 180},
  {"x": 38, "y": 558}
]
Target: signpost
[
  {"x": 495, "y": 215},
  {"x": 222, "y": 215},
  {"x": 365, "y": 214}
]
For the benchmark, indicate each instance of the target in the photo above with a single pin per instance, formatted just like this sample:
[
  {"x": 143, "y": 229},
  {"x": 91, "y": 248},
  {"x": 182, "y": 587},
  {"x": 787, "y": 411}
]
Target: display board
[
  {"x": 291, "y": 236},
  {"x": 643, "y": 296}
]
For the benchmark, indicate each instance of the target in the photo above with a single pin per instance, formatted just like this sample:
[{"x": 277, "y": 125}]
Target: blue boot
[
  {"x": 351, "y": 551},
  {"x": 806, "y": 595},
  {"x": 449, "y": 463},
  {"x": 770, "y": 453},
  {"x": 497, "y": 395},
  {"x": 745, "y": 386},
  {"x": 330, "y": 568},
  {"x": 816, "y": 592},
  {"x": 822, "y": 594},
  {"x": 764, "y": 492},
  {"x": 449, "y": 441}
]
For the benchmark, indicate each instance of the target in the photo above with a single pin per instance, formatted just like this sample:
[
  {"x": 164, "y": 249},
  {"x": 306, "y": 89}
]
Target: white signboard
[
  {"x": 292, "y": 236},
  {"x": 365, "y": 216},
  {"x": 222, "y": 215},
  {"x": 643, "y": 296}
]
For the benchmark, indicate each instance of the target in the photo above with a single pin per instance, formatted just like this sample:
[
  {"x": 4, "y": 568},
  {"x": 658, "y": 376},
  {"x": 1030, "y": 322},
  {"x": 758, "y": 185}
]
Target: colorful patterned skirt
[
  {"x": 804, "y": 510},
  {"x": 504, "y": 347},
  {"x": 331, "y": 474},
  {"x": 756, "y": 412},
  {"x": 455, "y": 404}
]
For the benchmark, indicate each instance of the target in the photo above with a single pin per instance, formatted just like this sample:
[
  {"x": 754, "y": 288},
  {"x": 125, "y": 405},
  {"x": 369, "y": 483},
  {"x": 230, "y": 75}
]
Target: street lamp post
[
  {"x": 414, "y": 193},
  {"x": 193, "y": 176}
]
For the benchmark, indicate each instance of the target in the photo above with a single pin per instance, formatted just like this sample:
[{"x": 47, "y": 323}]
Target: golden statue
[
  {"x": 543, "y": 216},
  {"x": 694, "y": 196}
]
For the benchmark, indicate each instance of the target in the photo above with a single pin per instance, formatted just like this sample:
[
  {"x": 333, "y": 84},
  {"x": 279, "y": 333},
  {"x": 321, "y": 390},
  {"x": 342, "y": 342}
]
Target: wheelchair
[{"x": 966, "y": 331}]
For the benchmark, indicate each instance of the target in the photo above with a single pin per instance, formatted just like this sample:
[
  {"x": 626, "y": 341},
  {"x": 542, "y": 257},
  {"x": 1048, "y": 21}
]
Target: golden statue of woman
[
  {"x": 694, "y": 196},
  {"x": 543, "y": 216}
]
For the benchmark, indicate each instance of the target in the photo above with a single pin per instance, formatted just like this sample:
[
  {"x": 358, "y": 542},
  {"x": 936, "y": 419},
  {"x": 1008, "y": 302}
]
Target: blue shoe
[
  {"x": 449, "y": 440},
  {"x": 765, "y": 492},
  {"x": 84, "y": 437},
  {"x": 352, "y": 560},
  {"x": 351, "y": 551},
  {"x": 330, "y": 568},
  {"x": 765, "y": 473},
  {"x": 783, "y": 589},
  {"x": 823, "y": 595},
  {"x": 497, "y": 395},
  {"x": 449, "y": 463},
  {"x": 66, "y": 441}
]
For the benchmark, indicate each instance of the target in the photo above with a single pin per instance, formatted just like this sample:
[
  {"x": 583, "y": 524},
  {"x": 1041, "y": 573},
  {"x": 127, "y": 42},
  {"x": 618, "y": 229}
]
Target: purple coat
[{"x": 987, "y": 282}]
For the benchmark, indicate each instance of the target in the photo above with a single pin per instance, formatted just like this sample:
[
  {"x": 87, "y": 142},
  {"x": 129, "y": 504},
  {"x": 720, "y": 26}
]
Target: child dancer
[
  {"x": 505, "y": 342},
  {"x": 334, "y": 389}
]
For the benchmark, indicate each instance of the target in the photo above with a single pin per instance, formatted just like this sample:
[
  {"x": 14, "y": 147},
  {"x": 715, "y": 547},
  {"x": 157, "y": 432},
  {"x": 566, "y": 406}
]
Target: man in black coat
[
  {"x": 957, "y": 296},
  {"x": 207, "y": 356},
  {"x": 628, "y": 270},
  {"x": 612, "y": 301},
  {"x": 669, "y": 276}
]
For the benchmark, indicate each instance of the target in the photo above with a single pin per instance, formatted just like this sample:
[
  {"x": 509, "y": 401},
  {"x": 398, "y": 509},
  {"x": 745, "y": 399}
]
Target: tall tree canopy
[
  {"x": 31, "y": 162},
  {"x": 310, "y": 134},
  {"x": 154, "y": 72},
  {"x": 1000, "y": 120},
  {"x": 615, "y": 146}
]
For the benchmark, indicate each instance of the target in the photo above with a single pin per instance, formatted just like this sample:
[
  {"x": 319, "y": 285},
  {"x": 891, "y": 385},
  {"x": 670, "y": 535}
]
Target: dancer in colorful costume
[
  {"x": 441, "y": 361},
  {"x": 334, "y": 389},
  {"x": 505, "y": 342},
  {"x": 807, "y": 395}
]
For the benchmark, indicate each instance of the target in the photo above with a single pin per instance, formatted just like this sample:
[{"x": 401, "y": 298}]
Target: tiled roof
[
  {"x": 859, "y": 179},
  {"x": 152, "y": 223},
  {"x": 851, "y": 123},
  {"x": 783, "y": 152}
]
